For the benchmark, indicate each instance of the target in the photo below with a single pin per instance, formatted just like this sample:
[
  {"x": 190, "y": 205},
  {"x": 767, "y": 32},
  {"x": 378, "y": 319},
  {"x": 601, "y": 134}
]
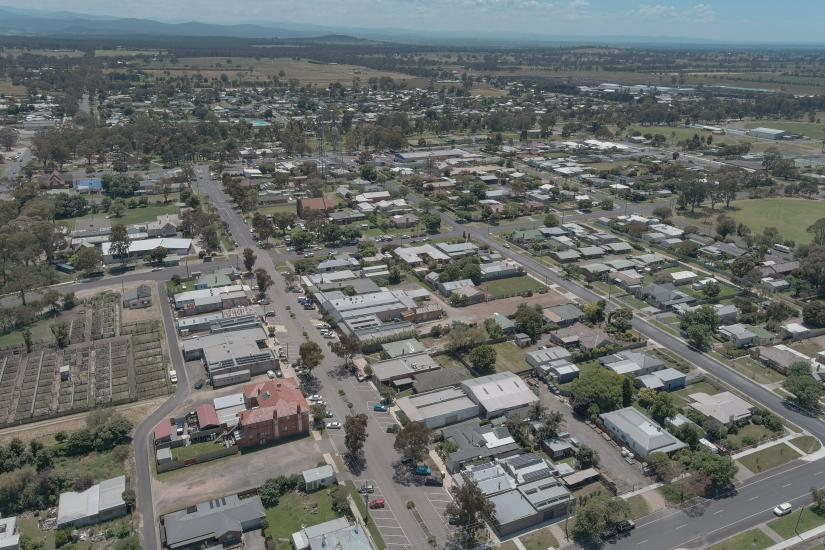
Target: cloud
[{"x": 699, "y": 13}]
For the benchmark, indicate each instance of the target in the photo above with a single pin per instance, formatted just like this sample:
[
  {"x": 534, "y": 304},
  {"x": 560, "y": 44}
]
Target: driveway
[
  {"x": 628, "y": 477},
  {"x": 184, "y": 487}
]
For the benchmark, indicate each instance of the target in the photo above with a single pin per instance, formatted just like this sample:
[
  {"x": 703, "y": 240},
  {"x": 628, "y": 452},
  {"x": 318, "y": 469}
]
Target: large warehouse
[{"x": 768, "y": 133}]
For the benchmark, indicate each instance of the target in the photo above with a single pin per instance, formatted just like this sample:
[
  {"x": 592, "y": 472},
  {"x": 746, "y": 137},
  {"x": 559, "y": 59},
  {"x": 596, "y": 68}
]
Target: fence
[{"x": 200, "y": 459}]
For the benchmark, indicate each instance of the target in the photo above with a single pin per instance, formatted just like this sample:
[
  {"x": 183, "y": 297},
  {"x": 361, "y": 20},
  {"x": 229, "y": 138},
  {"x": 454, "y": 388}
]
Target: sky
[{"x": 760, "y": 21}]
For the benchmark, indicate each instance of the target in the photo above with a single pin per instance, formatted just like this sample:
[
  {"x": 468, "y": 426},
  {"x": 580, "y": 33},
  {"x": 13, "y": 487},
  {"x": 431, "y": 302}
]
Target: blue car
[
  {"x": 423, "y": 470},
  {"x": 379, "y": 407}
]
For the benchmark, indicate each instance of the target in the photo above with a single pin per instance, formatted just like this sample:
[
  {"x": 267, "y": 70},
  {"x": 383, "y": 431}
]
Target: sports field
[{"x": 790, "y": 216}]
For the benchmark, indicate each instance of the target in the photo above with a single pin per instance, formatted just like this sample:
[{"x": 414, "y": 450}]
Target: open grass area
[
  {"x": 194, "y": 450},
  {"x": 503, "y": 288},
  {"x": 98, "y": 466},
  {"x": 539, "y": 540},
  {"x": 296, "y": 510},
  {"x": 592, "y": 489},
  {"x": 811, "y": 517},
  {"x": 753, "y": 370},
  {"x": 130, "y": 216},
  {"x": 509, "y": 357},
  {"x": 44, "y": 538},
  {"x": 41, "y": 332},
  {"x": 806, "y": 443},
  {"x": 750, "y": 432},
  {"x": 638, "y": 507},
  {"x": 768, "y": 458},
  {"x": 754, "y": 539},
  {"x": 789, "y": 216}
]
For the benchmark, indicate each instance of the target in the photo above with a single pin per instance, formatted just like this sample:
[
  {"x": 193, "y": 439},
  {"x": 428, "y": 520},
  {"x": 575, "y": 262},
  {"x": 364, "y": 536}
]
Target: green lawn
[
  {"x": 41, "y": 332},
  {"x": 98, "y": 466},
  {"x": 509, "y": 357},
  {"x": 130, "y": 216},
  {"x": 294, "y": 511},
  {"x": 811, "y": 517},
  {"x": 753, "y": 370},
  {"x": 758, "y": 433},
  {"x": 539, "y": 540},
  {"x": 754, "y": 539},
  {"x": 511, "y": 286},
  {"x": 592, "y": 489},
  {"x": 768, "y": 458},
  {"x": 638, "y": 507},
  {"x": 790, "y": 216},
  {"x": 194, "y": 450},
  {"x": 807, "y": 443}
]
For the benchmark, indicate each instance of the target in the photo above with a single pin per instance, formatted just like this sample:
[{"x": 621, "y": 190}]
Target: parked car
[
  {"x": 377, "y": 503},
  {"x": 199, "y": 384},
  {"x": 423, "y": 470},
  {"x": 314, "y": 397},
  {"x": 392, "y": 429},
  {"x": 434, "y": 481},
  {"x": 328, "y": 414},
  {"x": 366, "y": 488},
  {"x": 783, "y": 509},
  {"x": 270, "y": 314},
  {"x": 173, "y": 377},
  {"x": 379, "y": 407},
  {"x": 270, "y": 374},
  {"x": 334, "y": 425}
]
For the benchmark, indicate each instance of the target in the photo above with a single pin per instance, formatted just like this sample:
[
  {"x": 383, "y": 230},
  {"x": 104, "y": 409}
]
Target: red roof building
[
  {"x": 207, "y": 416},
  {"x": 277, "y": 410},
  {"x": 321, "y": 204},
  {"x": 163, "y": 431}
]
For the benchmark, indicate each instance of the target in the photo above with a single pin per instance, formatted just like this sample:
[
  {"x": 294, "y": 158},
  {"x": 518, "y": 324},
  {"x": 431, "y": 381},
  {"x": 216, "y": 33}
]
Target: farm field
[
  {"x": 790, "y": 216},
  {"x": 304, "y": 71}
]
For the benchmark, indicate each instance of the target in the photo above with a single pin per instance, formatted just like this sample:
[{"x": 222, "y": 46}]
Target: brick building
[{"x": 277, "y": 410}]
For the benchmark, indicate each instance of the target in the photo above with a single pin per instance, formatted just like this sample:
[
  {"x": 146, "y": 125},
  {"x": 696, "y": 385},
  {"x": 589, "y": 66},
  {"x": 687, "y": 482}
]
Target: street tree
[
  {"x": 355, "y": 433},
  {"x": 470, "y": 507},
  {"x": 805, "y": 388},
  {"x": 263, "y": 279},
  {"x": 249, "y": 258},
  {"x": 311, "y": 354},
  {"x": 87, "y": 259},
  {"x": 412, "y": 441},
  {"x": 345, "y": 347},
  {"x": 597, "y": 515},
  {"x": 318, "y": 412},
  {"x": 157, "y": 255}
]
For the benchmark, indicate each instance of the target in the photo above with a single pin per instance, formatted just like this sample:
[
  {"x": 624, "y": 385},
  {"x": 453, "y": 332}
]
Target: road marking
[
  {"x": 717, "y": 512},
  {"x": 787, "y": 485},
  {"x": 754, "y": 498},
  {"x": 683, "y": 525},
  {"x": 818, "y": 473},
  {"x": 641, "y": 543}
]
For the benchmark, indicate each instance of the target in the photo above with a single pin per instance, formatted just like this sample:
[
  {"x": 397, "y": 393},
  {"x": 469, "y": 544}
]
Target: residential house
[
  {"x": 781, "y": 357},
  {"x": 727, "y": 408},
  {"x": 563, "y": 315},
  {"x": 581, "y": 336},
  {"x": 664, "y": 296},
  {"x": 640, "y": 434},
  {"x": 500, "y": 270},
  {"x": 318, "y": 478}
]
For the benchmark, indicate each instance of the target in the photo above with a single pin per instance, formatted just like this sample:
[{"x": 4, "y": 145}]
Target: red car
[{"x": 377, "y": 503}]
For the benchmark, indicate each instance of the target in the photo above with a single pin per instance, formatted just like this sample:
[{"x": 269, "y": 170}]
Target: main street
[{"x": 380, "y": 457}]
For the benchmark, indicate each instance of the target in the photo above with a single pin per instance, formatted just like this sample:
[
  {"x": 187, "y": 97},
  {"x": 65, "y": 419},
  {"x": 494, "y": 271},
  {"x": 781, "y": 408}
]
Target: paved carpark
[
  {"x": 439, "y": 497},
  {"x": 365, "y": 393},
  {"x": 385, "y": 519},
  {"x": 628, "y": 477}
]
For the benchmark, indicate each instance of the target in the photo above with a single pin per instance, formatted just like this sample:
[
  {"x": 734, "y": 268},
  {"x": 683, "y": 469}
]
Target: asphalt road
[{"x": 142, "y": 438}]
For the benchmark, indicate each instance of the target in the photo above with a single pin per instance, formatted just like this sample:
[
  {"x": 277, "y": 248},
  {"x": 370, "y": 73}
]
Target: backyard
[
  {"x": 98, "y": 466},
  {"x": 194, "y": 450},
  {"x": 509, "y": 357},
  {"x": 295, "y": 511}
]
